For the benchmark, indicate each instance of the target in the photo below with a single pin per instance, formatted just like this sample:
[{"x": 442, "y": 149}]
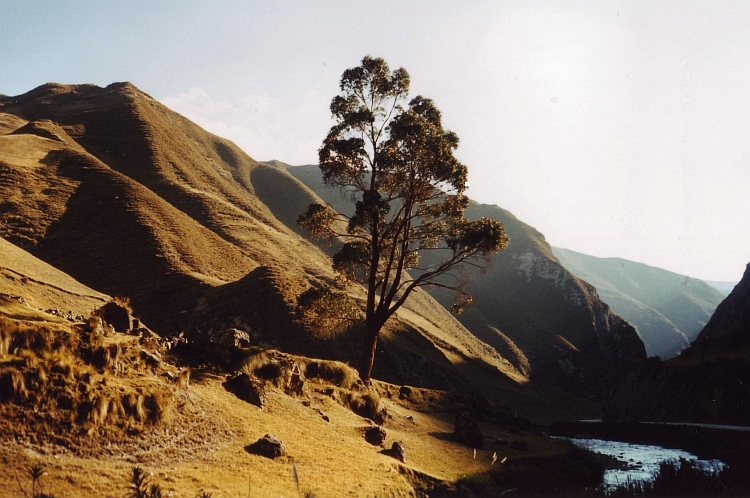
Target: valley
[{"x": 107, "y": 196}]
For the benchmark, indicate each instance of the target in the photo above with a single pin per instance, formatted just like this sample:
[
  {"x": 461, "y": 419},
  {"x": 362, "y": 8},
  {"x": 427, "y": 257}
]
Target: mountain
[
  {"x": 548, "y": 323},
  {"x": 724, "y": 287},
  {"x": 708, "y": 382},
  {"x": 106, "y": 192},
  {"x": 668, "y": 310},
  {"x": 129, "y": 198},
  {"x": 732, "y": 317}
]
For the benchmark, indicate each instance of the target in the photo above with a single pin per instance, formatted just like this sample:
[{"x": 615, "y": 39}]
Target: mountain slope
[
  {"x": 134, "y": 200},
  {"x": 550, "y": 324},
  {"x": 668, "y": 310},
  {"x": 29, "y": 285},
  {"x": 708, "y": 382}
]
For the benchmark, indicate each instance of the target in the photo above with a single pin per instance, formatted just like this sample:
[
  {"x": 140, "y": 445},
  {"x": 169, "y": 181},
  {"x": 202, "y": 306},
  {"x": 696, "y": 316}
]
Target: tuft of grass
[
  {"x": 141, "y": 487},
  {"x": 335, "y": 372},
  {"x": 12, "y": 385},
  {"x": 134, "y": 405},
  {"x": 159, "y": 406},
  {"x": 366, "y": 405}
]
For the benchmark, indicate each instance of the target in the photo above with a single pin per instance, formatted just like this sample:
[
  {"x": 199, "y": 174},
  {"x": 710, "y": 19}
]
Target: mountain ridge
[{"x": 667, "y": 309}]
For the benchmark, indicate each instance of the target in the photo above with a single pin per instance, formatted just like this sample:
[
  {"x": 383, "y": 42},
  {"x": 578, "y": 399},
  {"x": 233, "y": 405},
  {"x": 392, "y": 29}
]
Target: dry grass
[
  {"x": 334, "y": 372},
  {"x": 194, "y": 442},
  {"x": 70, "y": 382}
]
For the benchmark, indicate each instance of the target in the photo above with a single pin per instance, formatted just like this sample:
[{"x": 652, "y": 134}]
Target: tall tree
[{"x": 396, "y": 163}]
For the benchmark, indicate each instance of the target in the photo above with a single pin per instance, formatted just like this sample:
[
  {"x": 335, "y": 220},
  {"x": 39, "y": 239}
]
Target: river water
[{"x": 641, "y": 460}]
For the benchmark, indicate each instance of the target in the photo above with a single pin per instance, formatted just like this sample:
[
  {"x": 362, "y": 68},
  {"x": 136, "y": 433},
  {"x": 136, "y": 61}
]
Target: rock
[
  {"x": 232, "y": 337},
  {"x": 268, "y": 446},
  {"x": 501, "y": 442},
  {"x": 375, "y": 436},
  {"x": 520, "y": 445},
  {"x": 248, "y": 388},
  {"x": 152, "y": 360},
  {"x": 397, "y": 451},
  {"x": 404, "y": 392},
  {"x": 467, "y": 431}
]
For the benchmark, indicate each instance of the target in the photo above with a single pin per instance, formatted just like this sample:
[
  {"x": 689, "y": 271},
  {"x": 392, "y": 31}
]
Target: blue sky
[{"x": 615, "y": 128}]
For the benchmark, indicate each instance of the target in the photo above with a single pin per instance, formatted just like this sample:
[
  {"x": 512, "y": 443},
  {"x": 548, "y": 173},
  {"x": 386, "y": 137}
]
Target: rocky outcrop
[
  {"x": 667, "y": 310},
  {"x": 732, "y": 316},
  {"x": 709, "y": 382}
]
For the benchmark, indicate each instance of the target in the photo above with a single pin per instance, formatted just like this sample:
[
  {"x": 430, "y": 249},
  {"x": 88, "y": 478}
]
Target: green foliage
[
  {"x": 326, "y": 312},
  {"x": 397, "y": 163}
]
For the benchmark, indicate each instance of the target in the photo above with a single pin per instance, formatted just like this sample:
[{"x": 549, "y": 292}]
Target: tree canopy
[{"x": 395, "y": 161}]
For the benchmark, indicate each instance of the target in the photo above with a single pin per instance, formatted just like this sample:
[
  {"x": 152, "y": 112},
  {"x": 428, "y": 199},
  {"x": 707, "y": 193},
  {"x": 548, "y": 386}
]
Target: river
[{"x": 641, "y": 460}]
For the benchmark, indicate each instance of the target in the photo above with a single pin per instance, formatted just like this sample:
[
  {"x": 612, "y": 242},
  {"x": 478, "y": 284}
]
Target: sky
[{"x": 617, "y": 128}]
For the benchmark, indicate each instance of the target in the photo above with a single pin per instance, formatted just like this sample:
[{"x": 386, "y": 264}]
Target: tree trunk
[{"x": 371, "y": 344}]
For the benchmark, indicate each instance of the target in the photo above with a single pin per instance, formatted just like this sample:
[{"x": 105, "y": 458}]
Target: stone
[
  {"x": 520, "y": 445},
  {"x": 397, "y": 451},
  {"x": 269, "y": 446},
  {"x": 501, "y": 442},
  {"x": 375, "y": 436},
  {"x": 467, "y": 431},
  {"x": 248, "y": 388},
  {"x": 232, "y": 337}
]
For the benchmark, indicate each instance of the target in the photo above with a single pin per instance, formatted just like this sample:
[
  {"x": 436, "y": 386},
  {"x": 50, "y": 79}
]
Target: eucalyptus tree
[{"x": 395, "y": 162}]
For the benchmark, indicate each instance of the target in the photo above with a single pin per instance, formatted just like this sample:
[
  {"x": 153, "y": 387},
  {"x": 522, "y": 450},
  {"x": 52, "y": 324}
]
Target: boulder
[
  {"x": 232, "y": 337},
  {"x": 268, "y": 446},
  {"x": 467, "y": 431},
  {"x": 248, "y": 388},
  {"x": 375, "y": 436}
]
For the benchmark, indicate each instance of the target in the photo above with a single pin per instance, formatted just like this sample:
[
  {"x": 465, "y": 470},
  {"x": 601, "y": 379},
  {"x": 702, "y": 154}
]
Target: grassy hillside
[
  {"x": 551, "y": 325},
  {"x": 134, "y": 200},
  {"x": 668, "y": 310}
]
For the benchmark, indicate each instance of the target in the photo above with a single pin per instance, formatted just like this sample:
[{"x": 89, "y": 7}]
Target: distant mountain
[
  {"x": 549, "y": 324},
  {"x": 723, "y": 287},
  {"x": 668, "y": 310},
  {"x": 707, "y": 382}
]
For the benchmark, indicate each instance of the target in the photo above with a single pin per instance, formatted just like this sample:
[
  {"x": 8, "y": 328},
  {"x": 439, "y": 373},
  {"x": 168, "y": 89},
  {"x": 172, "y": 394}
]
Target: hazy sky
[{"x": 615, "y": 128}]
